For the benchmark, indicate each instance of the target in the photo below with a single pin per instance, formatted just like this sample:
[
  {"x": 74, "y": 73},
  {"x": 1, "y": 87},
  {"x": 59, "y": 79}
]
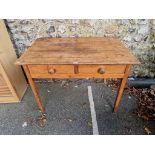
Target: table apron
[{"x": 77, "y": 71}]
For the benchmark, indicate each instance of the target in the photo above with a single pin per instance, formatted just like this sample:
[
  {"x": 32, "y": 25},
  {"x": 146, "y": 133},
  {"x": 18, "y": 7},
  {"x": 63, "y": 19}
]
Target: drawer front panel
[
  {"x": 83, "y": 71},
  {"x": 51, "y": 69},
  {"x": 102, "y": 69}
]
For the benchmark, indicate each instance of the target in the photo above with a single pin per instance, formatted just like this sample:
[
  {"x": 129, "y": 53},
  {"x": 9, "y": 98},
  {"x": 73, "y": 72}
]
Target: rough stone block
[{"x": 111, "y": 29}]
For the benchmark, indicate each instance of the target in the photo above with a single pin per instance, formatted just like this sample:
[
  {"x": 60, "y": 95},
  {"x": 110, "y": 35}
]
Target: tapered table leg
[
  {"x": 34, "y": 89},
  {"x": 121, "y": 88}
]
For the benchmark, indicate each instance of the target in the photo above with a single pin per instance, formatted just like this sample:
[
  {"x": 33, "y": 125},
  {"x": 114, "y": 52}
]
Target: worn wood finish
[
  {"x": 11, "y": 75},
  {"x": 108, "y": 69},
  {"x": 70, "y": 69},
  {"x": 77, "y": 58},
  {"x": 82, "y": 71},
  {"x": 81, "y": 76},
  {"x": 77, "y": 51},
  {"x": 44, "y": 69},
  {"x": 34, "y": 89},
  {"x": 121, "y": 88}
]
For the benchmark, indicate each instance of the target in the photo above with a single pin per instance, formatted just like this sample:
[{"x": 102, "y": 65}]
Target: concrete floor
[{"x": 68, "y": 112}]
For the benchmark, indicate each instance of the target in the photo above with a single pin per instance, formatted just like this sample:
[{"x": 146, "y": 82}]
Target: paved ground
[{"x": 68, "y": 112}]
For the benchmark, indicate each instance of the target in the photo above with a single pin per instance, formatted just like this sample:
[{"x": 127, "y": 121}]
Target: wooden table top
[{"x": 77, "y": 51}]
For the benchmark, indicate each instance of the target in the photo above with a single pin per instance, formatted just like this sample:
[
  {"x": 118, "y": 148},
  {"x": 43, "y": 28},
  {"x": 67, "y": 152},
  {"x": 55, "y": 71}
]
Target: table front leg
[
  {"x": 121, "y": 88},
  {"x": 34, "y": 89}
]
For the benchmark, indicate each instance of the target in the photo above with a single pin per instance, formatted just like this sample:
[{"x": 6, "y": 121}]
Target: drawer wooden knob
[
  {"x": 101, "y": 70},
  {"x": 51, "y": 70}
]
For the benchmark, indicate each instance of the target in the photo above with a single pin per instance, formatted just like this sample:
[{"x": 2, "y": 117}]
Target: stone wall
[{"x": 137, "y": 35}]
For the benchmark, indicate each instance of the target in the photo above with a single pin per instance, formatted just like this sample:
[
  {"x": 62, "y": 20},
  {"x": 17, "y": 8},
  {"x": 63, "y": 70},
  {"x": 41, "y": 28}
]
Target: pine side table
[{"x": 77, "y": 58}]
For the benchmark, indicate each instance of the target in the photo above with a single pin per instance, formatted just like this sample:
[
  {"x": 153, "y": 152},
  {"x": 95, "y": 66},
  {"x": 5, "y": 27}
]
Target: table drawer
[
  {"x": 102, "y": 69},
  {"x": 76, "y": 71},
  {"x": 51, "y": 69}
]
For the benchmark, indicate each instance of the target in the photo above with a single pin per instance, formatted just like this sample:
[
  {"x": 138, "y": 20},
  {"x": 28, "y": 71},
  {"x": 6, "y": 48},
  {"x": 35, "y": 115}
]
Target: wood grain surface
[
  {"x": 84, "y": 71},
  {"x": 77, "y": 51}
]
